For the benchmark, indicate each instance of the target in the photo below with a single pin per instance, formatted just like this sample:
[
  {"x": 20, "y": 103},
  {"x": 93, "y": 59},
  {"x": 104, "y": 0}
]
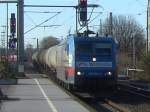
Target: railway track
[
  {"x": 96, "y": 102},
  {"x": 124, "y": 99},
  {"x": 127, "y": 98},
  {"x": 101, "y": 102},
  {"x": 116, "y": 106},
  {"x": 135, "y": 98},
  {"x": 134, "y": 90}
]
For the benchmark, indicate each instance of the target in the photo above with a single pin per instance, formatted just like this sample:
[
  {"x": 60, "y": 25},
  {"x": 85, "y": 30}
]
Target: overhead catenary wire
[
  {"x": 31, "y": 19},
  {"x": 91, "y": 20},
  {"x": 66, "y": 21},
  {"x": 40, "y": 12},
  {"x": 91, "y": 14},
  {"x": 42, "y": 23}
]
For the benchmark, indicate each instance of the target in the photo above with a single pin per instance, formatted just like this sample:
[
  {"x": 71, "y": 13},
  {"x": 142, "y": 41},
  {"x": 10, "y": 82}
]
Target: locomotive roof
[{"x": 94, "y": 39}]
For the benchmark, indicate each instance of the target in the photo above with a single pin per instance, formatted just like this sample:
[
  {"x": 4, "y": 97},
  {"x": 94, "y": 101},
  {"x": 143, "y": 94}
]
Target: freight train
[{"x": 80, "y": 62}]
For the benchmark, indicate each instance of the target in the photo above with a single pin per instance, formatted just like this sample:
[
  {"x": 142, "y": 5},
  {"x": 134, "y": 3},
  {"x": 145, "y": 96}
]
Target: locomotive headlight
[
  {"x": 78, "y": 73},
  {"x": 109, "y": 74},
  {"x": 94, "y": 59}
]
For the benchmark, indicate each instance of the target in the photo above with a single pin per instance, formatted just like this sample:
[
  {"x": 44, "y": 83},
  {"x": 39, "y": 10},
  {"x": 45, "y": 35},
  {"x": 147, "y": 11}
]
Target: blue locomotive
[
  {"x": 95, "y": 61},
  {"x": 82, "y": 61}
]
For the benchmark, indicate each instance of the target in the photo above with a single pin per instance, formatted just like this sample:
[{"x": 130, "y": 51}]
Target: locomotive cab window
[
  {"x": 84, "y": 48},
  {"x": 102, "y": 49}
]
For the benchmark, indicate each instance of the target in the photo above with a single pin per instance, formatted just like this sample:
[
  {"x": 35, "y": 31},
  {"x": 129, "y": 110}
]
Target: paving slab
[{"x": 38, "y": 95}]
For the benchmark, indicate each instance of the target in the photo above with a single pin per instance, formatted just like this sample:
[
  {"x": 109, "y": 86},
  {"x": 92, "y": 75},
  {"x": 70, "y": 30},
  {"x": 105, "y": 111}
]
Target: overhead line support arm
[
  {"x": 8, "y": 1},
  {"x": 91, "y": 5}
]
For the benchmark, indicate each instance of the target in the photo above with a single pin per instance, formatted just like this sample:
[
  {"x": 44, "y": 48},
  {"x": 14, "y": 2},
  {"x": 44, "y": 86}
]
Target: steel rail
[
  {"x": 136, "y": 93},
  {"x": 116, "y": 106},
  {"x": 107, "y": 102},
  {"x": 134, "y": 90}
]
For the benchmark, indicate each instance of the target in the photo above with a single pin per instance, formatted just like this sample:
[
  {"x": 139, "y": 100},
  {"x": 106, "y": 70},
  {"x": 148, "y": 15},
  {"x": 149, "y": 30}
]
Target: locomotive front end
[{"x": 95, "y": 61}]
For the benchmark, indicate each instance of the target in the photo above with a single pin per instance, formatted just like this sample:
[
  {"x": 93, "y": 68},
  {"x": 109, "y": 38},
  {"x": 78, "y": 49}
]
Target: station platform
[{"x": 37, "y": 94}]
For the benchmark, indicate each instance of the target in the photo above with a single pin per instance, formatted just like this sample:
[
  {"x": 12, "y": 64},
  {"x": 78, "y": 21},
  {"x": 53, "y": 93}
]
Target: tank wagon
[{"x": 82, "y": 61}]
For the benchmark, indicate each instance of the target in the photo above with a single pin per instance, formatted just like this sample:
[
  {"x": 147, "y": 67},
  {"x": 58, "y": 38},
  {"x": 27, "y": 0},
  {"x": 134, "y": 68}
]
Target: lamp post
[
  {"x": 133, "y": 51},
  {"x": 134, "y": 58},
  {"x": 147, "y": 28},
  {"x": 37, "y": 40}
]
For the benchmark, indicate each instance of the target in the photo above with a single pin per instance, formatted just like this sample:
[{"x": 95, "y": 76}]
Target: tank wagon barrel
[{"x": 51, "y": 57}]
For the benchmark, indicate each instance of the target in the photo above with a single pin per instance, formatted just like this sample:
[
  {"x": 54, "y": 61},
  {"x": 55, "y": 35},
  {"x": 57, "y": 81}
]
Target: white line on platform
[{"x": 46, "y": 97}]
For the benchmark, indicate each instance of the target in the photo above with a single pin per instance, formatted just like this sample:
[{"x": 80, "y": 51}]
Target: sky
[{"x": 66, "y": 18}]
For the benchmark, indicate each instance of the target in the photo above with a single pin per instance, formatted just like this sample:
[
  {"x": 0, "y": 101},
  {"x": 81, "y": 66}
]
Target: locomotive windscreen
[
  {"x": 84, "y": 48},
  {"x": 102, "y": 49}
]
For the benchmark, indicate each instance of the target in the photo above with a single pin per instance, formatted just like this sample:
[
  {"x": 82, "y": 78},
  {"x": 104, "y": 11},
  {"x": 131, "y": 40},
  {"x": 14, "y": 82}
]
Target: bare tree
[
  {"x": 124, "y": 30},
  {"x": 48, "y": 42}
]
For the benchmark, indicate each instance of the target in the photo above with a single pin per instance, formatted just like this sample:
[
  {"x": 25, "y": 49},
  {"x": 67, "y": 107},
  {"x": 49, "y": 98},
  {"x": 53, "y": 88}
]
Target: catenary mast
[{"x": 148, "y": 26}]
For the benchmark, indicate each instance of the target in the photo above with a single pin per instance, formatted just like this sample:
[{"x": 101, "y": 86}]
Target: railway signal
[
  {"x": 12, "y": 40},
  {"x": 83, "y": 10},
  {"x": 12, "y": 43},
  {"x": 13, "y": 24}
]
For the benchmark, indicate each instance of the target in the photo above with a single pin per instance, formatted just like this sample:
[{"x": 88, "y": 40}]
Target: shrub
[
  {"x": 146, "y": 66},
  {"x": 5, "y": 71}
]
